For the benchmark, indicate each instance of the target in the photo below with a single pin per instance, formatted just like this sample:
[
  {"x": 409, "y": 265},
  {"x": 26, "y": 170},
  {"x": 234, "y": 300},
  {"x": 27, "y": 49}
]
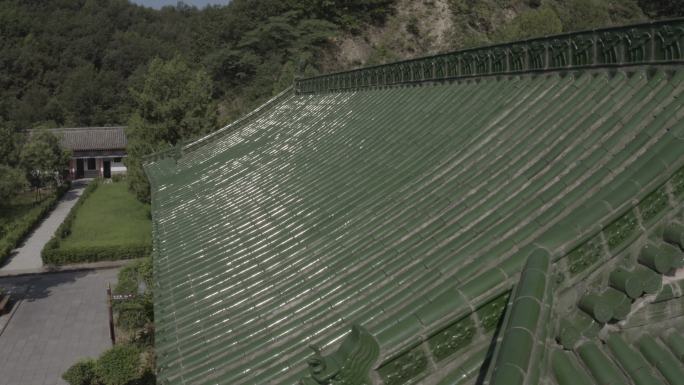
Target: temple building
[{"x": 504, "y": 215}]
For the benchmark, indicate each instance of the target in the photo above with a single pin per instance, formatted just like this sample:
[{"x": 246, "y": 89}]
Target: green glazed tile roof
[
  {"x": 652, "y": 355},
  {"x": 626, "y": 333},
  {"x": 651, "y": 360},
  {"x": 408, "y": 210}
]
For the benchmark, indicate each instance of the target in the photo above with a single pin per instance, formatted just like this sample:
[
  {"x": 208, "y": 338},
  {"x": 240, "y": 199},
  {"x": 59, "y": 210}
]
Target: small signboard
[{"x": 122, "y": 297}]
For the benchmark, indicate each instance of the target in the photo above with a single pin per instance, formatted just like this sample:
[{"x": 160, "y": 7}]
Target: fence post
[{"x": 111, "y": 314}]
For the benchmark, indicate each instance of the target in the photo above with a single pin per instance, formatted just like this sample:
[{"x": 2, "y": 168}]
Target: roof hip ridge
[{"x": 654, "y": 42}]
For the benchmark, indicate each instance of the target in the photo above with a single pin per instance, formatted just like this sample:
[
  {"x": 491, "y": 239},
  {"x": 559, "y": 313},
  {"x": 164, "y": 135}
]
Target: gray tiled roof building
[{"x": 96, "y": 151}]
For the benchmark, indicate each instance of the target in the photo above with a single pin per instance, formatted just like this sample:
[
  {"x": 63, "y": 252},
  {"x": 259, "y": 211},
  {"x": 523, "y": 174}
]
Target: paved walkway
[
  {"x": 61, "y": 319},
  {"x": 27, "y": 256}
]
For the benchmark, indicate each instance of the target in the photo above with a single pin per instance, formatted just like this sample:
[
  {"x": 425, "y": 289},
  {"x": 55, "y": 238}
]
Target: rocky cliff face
[{"x": 422, "y": 27}]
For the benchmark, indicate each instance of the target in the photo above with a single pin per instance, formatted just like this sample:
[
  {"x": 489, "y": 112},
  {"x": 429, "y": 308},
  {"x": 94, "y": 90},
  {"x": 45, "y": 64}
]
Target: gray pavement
[
  {"x": 27, "y": 256},
  {"x": 58, "y": 319}
]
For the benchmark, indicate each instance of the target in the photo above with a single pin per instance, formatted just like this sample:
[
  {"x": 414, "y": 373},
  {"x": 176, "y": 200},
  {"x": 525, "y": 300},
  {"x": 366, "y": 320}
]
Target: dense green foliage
[
  {"x": 119, "y": 365},
  {"x": 666, "y": 8},
  {"x": 11, "y": 181},
  {"x": 174, "y": 103},
  {"x": 73, "y": 62},
  {"x": 135, "y": 317},
  {"x": 37, "y": 159},
  {"x": 10, "y": 145},
  {"x": 43, "y": 159},
  {"x": 107, "y": 223}
]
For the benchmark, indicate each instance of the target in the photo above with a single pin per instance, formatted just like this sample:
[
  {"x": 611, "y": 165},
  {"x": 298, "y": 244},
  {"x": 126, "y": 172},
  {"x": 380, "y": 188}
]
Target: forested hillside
[
  {"x": 77, "y": 62},
  {"x": 72, "y": 62}
]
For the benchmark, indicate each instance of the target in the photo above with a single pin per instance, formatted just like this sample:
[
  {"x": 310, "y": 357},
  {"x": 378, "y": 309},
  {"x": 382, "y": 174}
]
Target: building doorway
[
  {"x": 107, "y": 169},
  {"x": 80, "y": 170}
]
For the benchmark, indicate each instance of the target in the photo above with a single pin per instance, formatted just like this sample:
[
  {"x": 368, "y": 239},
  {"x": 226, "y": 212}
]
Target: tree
[
  {"x": 662, "y": 8},
  {"x": 10, "y": 144},
  {"x": 43, "y": 159},
  {"x": 174, "y": 104},
  {"x": 12, "y": 181}
]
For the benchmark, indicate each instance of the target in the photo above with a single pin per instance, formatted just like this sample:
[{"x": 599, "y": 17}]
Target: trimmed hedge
[
  {"x": 19, "y": 229},
  {"x": 61, "y": 256},
  {"x": 54, "y": 254}
]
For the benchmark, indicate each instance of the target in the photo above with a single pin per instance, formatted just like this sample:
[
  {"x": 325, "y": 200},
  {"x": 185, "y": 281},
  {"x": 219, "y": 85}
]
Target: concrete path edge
[
  {"x": 72, "y": 267},
  {"x": 10, "y": 315}
]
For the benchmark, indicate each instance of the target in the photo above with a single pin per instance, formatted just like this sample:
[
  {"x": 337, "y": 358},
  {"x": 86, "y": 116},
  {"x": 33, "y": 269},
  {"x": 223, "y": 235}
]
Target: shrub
[
  {"x": 135, "y": 314},
  {"x": 118, "y": 177},
  {"x": 132, "y": 275},
  {"x": 119, "y": 365},
  {"x": 145, "y": 271},
  {"x": 81, "y": 373},
  {"x": 663, "y": 8},
  {"x": 579, "y": 15},
  {"x": 412, "y": 26},
  {"x": 539, "y": 22},
  {"x": 11, "y": 181},
  {"x": 127, "y": 280}
]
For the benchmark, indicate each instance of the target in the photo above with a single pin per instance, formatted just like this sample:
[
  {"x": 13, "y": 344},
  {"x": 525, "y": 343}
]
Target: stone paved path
[
  {"x": 27, "y": 256},
  {"x": 62, "y": 318}
]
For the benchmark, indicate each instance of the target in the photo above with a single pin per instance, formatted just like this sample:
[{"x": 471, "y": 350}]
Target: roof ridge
[
  {"x": 85, "y": 128},
  {"x": 654, "y": 42}
]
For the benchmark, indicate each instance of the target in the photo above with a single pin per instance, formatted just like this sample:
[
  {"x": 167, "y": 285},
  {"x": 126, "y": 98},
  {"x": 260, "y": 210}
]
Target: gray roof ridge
[{"x": 84, "y": 128}]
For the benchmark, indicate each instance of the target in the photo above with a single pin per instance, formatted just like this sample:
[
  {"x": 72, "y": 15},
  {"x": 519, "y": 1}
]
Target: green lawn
[{"x": 110, "y": 216}]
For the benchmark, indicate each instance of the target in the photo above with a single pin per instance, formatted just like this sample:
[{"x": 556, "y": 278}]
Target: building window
[
  {"x": 117, "y": 160},
  {"x": 91, "y": 163}
]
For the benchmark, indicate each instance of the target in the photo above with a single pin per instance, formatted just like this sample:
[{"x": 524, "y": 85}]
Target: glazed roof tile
[
  {"x": 408, "y": 210},
  {"x": 605, "y": 339}
]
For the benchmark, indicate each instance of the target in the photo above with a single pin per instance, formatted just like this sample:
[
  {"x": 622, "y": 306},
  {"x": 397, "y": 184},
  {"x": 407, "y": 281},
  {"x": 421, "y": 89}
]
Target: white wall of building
[{"x": 118, "y": 167}]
